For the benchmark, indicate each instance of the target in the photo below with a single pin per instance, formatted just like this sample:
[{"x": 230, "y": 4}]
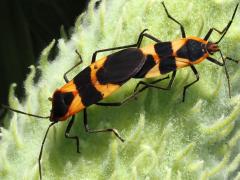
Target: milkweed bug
[
  {"x": 103, "y": 77},
  {"x": 165, "y": 57},
  {"x": 94, "y": 83}
]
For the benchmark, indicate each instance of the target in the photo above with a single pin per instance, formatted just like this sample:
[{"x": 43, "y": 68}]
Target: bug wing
[{"x": 119, "y": 67}]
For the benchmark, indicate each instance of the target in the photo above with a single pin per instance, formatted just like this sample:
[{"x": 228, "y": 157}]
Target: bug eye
[{"x": 50, "y": 99}]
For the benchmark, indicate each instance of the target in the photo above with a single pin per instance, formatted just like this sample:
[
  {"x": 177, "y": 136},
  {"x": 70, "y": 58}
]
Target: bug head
[
  {"x": 60, "y": 105},
  {"x": 212, "y": 48}
]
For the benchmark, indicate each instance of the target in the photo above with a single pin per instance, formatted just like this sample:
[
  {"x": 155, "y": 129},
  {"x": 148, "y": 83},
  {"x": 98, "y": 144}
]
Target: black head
[
  {"x": 212, "y": 48},
  {"x": 60, "y": 104}
]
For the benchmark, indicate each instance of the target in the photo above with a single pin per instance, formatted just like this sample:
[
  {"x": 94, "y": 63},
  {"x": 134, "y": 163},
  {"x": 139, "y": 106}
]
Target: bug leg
[
  {"x": 221, "y": 63},
  {"x": 169, "y": 16},
  {"x": 87, "y": 129},
  {"x": 68, "y": 131},
  {"x": 225, "y": 67},
  {"x": 215, "y": 61},
  {"x": 133, "y": 95},
  {"x": 214, "y": 29},
  {"x": 120, "y": 47},
  {"x": 151, "y": 84},
  {"x": 65, "y": 74},
  {"x": 224, "y": 31},
  {"x": 188, "y": 85},
  {"x": 137, "y": 45},
  {"x": 41, "y": 150},
  {"x": 150, "y": 37},
  {"x": 231, "y": 59},
  {"x": 125, "y": 100},
  {"x": 156, "y": 81},
  {"x": 138, "y": 91}
]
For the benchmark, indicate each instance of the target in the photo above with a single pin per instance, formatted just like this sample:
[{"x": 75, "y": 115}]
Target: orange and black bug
[
  {"x": 166, "y": 57},
  {"x": 90, "y": 86},
  {"x": 106, "y": 75},
  {"x": 169, "y": 56}
]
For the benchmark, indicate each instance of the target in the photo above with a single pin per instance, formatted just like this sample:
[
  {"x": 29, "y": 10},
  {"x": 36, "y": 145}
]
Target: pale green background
[{"x": 165, "y": 138}]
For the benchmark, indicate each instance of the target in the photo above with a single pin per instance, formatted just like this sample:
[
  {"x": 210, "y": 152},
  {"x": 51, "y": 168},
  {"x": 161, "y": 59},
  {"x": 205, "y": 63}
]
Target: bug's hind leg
[{"x": 87, "y": 129}]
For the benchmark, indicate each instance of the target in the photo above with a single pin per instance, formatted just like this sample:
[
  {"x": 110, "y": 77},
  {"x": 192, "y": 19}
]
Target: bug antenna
[
  {"x": 228, "y": 25},
  {"x": 21, "y": 112},
  {"x": 41, "y": 150}
]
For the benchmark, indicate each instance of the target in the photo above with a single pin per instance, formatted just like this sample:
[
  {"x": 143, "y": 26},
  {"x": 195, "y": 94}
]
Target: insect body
[
  {"x": 170, "y": 56},
  {"x": 165, "y": 57},
  {"x": 106, "y": 75},
  {"x": 96, "y": 82}
]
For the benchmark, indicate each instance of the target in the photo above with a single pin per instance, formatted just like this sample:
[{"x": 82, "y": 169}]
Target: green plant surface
[{"x": 165, "y": 138}]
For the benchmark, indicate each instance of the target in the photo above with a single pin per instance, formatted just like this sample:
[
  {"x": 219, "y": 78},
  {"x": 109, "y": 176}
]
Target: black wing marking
[
  {"x": 121, "y": 66},
  {"x": 163, "y": 49},
  {"x": 167, "y": 64}
]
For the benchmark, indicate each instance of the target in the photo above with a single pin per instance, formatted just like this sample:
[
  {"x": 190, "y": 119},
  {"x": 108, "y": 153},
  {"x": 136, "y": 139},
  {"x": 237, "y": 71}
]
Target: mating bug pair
[{"x": 106, "y": 75}]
